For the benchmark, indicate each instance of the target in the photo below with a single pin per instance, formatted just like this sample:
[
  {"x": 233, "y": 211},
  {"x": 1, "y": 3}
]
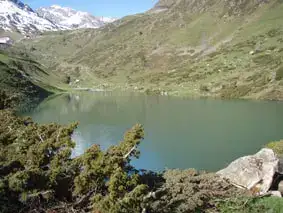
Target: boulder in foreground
[{"x": 253, "y": 172}]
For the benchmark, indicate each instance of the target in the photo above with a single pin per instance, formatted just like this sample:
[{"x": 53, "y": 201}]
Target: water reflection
[{"x": 183, "y": 133}]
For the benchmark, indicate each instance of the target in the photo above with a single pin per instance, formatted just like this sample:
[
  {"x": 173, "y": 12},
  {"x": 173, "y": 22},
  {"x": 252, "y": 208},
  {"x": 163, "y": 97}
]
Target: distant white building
[{"x": 5, "y": 42}]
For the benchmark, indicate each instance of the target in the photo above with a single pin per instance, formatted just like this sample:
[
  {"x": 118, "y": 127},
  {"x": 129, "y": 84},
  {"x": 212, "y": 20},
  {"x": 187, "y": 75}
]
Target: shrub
[
  {"x": 38, "y": 174},
  {"x": 66, "y": 79},
  {"x": 234, "y": 91},
  {"x": 276, "y": 146},
  {"x": 204, "y": 88},
  {"x": 273, "y": 32},
  {"x": 35, "y": 160},
  {"x": 279, "y": 74},
  {"x": 272, "y": 47},
  {"x": 263, "y": 59},
  {"x": 33, "y": 157}
]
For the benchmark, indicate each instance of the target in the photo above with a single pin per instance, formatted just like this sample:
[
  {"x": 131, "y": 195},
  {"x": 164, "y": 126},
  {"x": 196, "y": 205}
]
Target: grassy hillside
[
  {"x": 19, "y": 79},
  {"x": 13, "y": 35},
  {"x": 229, "y": 49}
]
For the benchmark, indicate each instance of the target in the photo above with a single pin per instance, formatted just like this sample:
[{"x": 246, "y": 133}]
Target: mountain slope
[
  {"x": 72, "y": 19},
  {"x": 228, "y": 49},
  {"x": 20, "y": 80},
  {"x": 16, "y": 16}
]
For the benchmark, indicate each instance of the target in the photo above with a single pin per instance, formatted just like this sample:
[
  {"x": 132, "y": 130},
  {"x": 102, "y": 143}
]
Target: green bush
[
  {"x": 234, "y": 91},
  {"x": 274, "y": 32},
  {"x": 272, "y": 47},
  {"x": 38, "y": 173},
  {"x": 66, "y": 79},
  {"x": 204, "y": 88},
  {"x": 279, "y": 74},
  {"x": 263, "y": 59},
  {"x": 276, "y": 146},
  {"x": 35, "y": 160}
]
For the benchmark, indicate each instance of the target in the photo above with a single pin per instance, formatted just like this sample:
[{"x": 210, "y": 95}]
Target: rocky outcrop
[
  {"x": 254, "y": 172},
  {"x": 163, "y": 5}
]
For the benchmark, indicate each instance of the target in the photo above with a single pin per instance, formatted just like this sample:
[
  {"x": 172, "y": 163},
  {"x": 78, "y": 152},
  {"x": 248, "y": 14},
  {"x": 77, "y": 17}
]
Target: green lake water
[{"x": 179, "y": 132}]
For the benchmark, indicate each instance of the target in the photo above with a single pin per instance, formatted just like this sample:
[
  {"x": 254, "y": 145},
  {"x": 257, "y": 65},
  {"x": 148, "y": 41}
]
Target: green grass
[
  {"x": 252, "y": 205},
  {"x": 276, "y": 146},
  {"x": 178, "y": 50},
  {"x": 3, "y": 58},
  {"x": 20, "y": 79},
  {"x": 279, "y": 74}
]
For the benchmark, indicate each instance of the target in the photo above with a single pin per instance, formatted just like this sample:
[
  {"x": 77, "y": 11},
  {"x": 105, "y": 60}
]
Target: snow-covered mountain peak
[
  {"x": 17, "y": 16},
  {"x": 72, "y": 19},
  {"x": 22, "y": 5},
  {"x": 108, "y": 19}
]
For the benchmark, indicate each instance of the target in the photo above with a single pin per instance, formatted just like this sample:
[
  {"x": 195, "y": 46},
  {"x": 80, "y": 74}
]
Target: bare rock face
[
  {"x": 275, "y": 194},
  {"x": 280, "y": 187},
  {"x": 164, "y": 4},
  {"x": 254, "y": 171}
]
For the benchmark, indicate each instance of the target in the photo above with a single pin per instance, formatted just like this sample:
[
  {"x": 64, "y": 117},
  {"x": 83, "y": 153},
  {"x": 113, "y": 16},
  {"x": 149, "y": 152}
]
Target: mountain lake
[{"x": 205, "y": 134}]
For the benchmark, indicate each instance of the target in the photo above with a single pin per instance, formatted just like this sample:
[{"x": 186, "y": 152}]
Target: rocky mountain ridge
[
  {"x": 72, "y": 19},
  {"x": 15, "y": 16},
  {"x": 19, "y": 17}
]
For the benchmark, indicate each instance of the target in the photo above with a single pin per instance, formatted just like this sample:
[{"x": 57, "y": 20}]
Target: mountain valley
[
  {"x": 187, "y": 47},
  {"x": 103, "y": 74}
]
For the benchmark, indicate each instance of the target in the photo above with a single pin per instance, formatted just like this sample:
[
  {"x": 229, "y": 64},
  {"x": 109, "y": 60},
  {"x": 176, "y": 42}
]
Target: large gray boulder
[{"x": 253, "y": 171}]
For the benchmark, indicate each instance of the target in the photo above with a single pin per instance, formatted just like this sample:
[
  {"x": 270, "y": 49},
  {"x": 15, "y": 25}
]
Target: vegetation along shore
[{"x": 194, "y": 48}]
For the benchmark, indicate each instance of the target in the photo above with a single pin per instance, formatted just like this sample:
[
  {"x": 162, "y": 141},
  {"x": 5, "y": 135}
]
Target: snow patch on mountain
[
  {"x": 16, "y": 16},
  {"x": 72, "y": 19},
  {"x": 108, "y": 19},
  {"x": 19, "y": 17}
]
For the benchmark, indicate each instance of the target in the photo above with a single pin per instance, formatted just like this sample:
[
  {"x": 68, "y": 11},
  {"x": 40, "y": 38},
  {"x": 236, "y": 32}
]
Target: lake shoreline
[
  {"x": 206, "y": 191},
  {"x": 218, "y": 193},
  {"x": 104, "y": 115},
  {"x": 171, "y": 92}
]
